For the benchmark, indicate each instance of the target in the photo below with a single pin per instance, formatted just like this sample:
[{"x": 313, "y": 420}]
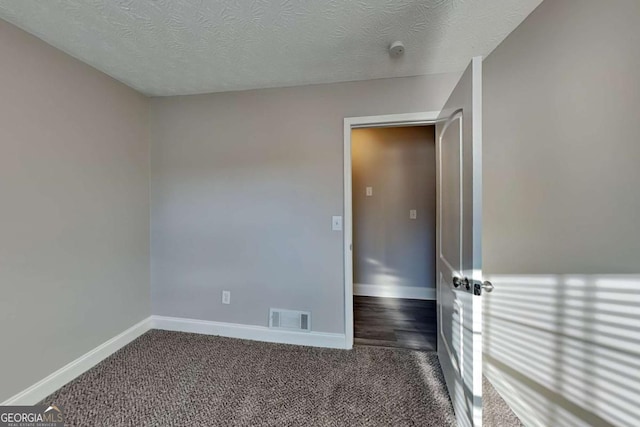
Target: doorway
[
  {"x": 460, "y": 283},
  {"x": 394, "y": 225},
  {"x": 392, "y": 300}
]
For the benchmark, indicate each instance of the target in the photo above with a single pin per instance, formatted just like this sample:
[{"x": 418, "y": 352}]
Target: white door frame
[{"x": 391, "y": 120}]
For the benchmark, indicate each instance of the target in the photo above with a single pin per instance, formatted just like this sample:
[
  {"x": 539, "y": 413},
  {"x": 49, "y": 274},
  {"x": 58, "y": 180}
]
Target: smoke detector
[{"x": 396, "y": 49}]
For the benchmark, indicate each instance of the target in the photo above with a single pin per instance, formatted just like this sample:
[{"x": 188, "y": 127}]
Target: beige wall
[
  {"x": 561, "y": 203},
  {"x": 75, "y": 216},
  {"x": 243, "y": 189},
  {"x": 389, "y": 248}
]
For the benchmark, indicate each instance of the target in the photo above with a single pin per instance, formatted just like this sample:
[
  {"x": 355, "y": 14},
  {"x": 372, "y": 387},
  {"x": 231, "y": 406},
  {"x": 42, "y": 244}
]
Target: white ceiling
[{"x": 171, "y": 47}]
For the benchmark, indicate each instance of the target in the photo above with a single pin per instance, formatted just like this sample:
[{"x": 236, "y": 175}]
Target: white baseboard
[
  {"x": 70, "y": 371},
  {"x": 393, "y": 291},
  {"x": 249, "y": 332}
]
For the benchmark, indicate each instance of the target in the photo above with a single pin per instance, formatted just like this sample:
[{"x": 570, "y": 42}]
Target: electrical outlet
[
  {"x": 369, "y": 191},
  {"x": 226, "y": 297},
  {"x": 413, "y": 214}
]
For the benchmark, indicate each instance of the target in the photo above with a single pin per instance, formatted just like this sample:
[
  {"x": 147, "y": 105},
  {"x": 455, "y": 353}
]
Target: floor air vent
[{"x": 290, "y": 320}]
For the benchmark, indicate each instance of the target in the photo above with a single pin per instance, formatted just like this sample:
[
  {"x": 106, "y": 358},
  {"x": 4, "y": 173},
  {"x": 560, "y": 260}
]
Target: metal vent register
[{"x": 290, "y": 320}]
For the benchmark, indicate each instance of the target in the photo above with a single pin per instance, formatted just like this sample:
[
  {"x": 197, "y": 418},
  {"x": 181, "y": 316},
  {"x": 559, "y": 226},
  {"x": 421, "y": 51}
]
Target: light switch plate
[
  {"x": 413, "y": 214},
  {"x": 369, "y": 191},
  {"x": 336, "y": 223}
]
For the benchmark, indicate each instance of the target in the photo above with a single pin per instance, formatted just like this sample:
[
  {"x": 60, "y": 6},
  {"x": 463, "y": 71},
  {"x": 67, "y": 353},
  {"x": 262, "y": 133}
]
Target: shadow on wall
[{"x": 565, "y": 349}]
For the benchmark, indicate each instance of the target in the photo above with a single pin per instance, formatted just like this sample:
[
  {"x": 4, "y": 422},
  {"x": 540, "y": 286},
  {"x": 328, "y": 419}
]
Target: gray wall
[
  {"x": 243, "y": 189},
  {"x": 562, "y": 144},
  {"x": 561, "y": 203},
  {"x": 389, "y": 248},
  {"x": 74, "y": 228}
]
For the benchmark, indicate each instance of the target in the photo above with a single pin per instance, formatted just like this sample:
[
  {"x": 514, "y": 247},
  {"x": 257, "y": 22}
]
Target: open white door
[{"x": 459, "y": 246}]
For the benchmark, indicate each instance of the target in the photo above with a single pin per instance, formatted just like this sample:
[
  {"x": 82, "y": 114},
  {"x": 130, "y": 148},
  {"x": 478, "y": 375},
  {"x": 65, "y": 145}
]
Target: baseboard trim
[
  {"x": 249, "y": 332},
  {"x": 70, "y": 371},
  {"x": 392, "y": 291}
]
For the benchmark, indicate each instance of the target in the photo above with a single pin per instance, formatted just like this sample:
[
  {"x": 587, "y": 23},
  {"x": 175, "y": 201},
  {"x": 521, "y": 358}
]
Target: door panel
[
  {"x": 459, "y": 219},
  {"x": 451, "y": 168}
]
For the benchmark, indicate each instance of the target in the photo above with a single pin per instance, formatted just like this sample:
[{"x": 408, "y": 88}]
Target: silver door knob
[
  {"x": 457, "y": 282},
  {"x": 487, "y": 286}
]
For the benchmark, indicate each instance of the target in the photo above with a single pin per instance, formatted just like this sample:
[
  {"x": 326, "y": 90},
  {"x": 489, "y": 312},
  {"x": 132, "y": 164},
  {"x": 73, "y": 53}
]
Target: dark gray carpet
[{"x": 179, "y": 379}]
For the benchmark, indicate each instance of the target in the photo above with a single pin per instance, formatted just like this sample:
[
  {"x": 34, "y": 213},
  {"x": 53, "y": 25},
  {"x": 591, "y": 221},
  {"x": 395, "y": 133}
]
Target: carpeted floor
[
  {"x": 179, "y": 379},
  {"x": 495, "y": 411}
]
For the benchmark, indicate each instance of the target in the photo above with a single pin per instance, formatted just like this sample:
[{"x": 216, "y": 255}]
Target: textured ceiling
[{"x": 170, "y": 47}]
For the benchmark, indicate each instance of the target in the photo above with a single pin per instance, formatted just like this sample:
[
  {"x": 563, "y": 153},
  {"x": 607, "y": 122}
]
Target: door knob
[
  {"x": 487, "y": 286},
  {"x": 461, "y": 282},
  {"x": 457, "y": 282}
]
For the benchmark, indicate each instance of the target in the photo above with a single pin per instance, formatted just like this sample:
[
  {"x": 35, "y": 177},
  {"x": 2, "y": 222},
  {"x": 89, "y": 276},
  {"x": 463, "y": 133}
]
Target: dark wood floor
[{"x": 395, "y": 322}]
